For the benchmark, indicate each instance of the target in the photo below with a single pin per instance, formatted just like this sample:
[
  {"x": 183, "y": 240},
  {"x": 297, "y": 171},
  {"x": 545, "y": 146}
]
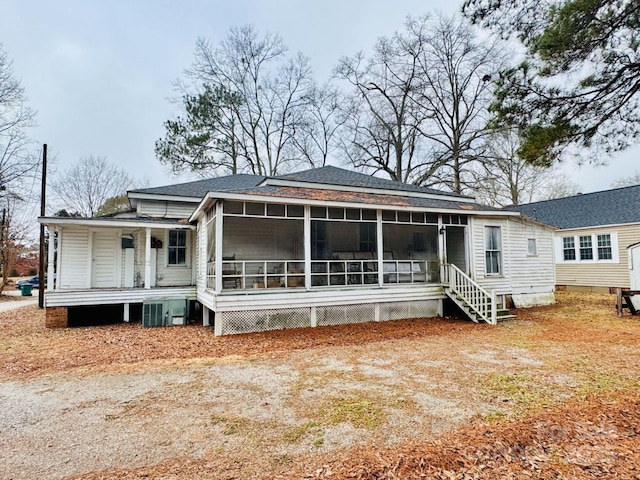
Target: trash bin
[{"x": 25, "y": 290}]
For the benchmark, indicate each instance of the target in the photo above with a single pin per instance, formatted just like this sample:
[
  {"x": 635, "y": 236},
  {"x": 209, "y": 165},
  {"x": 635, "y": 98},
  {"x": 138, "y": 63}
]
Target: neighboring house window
[
  {"x": 492, "y": 248},
  {"x": 586, "y": 248},
  {"x": 604, "y": 247},
  {"x": 591, "y": 248},
  {"x": 532, "y": 248},
  {"x": 177, "y": 248},
  {"x": 568, "y": 248}
]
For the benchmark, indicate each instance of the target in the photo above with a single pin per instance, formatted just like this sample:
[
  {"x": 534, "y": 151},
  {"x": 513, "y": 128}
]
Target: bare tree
[
  {"x": 631, "y": 180},
  {"x": 17, "y": 164},
  {"x": 457, "y": 69},
  {"x": 505, "y": 178},
  {"x": 383, "y": 128},
  {"x": 89, "y": 184},
  {"x": 259, "y": 106},
  {"x": 16, "y": 161},
  {"x": 420, "y": 103},
  {"x": 319, "y": 125}
]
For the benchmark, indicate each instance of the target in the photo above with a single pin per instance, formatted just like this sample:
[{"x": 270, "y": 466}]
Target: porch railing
[
  {"x": 472, "y": 295},
  {"x": 250, "y": 274},
  {"x": 343, "y": 272},
  {"x": 410, "y": 271},
  {"x": 243, "y": 274}
]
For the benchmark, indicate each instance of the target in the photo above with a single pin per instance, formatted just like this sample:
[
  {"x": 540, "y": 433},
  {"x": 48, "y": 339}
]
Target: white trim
[
  {"x": 159, "y": 196},
  {"x": 307, "y": 247},
  {"x": 59, "y": 261},
  {"x": 219, "y": 247},
  {"x": 110, "y": 296},
  {"x": 358, "y": 205},
  {"x": 559, "y": 248},
  {"x": 90, "y": 258},
  {"x": 147, "y": 258},
  {"x": 121, "y": 223},
  {"x": 187, "y": 258},
  {"x": 50, "y": 259},
  {"x": 380, "y": 247},
  {"x": 613, "y": 225},
  {"x": 347, "y": 188}
]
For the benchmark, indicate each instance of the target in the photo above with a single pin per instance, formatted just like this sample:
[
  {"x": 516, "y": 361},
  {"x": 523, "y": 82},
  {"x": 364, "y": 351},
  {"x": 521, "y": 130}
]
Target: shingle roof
[
  {"x": 338, "y": 176},
  {"x": 200, "y": 188},
  {"x": 329, "y": 175},
  {"x": 366, "y": 198},
  {"x": 609, "y": 207}
]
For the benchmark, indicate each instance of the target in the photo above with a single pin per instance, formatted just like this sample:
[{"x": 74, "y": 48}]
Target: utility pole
[{"x": 43, "y": 192}]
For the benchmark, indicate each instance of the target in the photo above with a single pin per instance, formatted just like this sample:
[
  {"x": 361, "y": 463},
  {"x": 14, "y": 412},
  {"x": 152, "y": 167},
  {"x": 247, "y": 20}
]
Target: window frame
[
  {"x": 184, "y": 247},
  {"x": 587, "y": 248},
  {"x": 531, "y": 253},
  {"x": 490, "y": 252}
]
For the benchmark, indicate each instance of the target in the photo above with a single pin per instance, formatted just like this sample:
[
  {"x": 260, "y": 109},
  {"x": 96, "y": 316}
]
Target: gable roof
[
  {"x": 608, "y": 207},
  {"x": 331, "y": 175}
]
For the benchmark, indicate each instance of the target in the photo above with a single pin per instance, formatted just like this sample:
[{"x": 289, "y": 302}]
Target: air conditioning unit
[{"x": 164, "y": 312}]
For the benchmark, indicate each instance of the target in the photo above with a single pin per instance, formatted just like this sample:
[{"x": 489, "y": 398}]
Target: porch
[{"x": 256, "y": 246}]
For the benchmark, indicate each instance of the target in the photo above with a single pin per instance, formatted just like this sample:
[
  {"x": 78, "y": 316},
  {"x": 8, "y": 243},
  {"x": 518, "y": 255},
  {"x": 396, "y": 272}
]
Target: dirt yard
[{"x": 552, "y": 394}]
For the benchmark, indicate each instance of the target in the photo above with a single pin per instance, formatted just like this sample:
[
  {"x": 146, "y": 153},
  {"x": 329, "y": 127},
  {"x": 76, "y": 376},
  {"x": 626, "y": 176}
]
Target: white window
[
  {"x": 586, "y": 247},
  {"x": 604, "y": 247},
  {"x": 590, "y": 248},
  {"x": 568, "y": 248},
  {"x": 177, "y": 247},
  {"x": 532, "y": 247},
  {"x": 493, "y": 248}
]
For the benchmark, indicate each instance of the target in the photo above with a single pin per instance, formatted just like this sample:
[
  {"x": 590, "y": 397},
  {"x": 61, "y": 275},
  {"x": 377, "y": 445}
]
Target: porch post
[
  {"x": 205, "y": 316},
  {"x": 59, "y": 260},
  {"x": 442, "y": 257},
  {"x": 307, "y": 247},
  {"x": 125, "y": 313},
  {"x": 147, "y": 258},
  {"x": 219, "y": 239},
  {"x": 380, "y": 248},
  {"x": 50, "y": 258}
]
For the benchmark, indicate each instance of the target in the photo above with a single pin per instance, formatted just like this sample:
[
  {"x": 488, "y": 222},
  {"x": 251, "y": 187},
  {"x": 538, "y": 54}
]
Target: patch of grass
[
  {"x": 495, "y": 416},
  {"x": 297, "y": 433},
  {"x": 232, "y": 425},
  {"x": 519, "y": 389},
  {"x": 318, "y": 442},
  {"x": 359, "y": 412}
]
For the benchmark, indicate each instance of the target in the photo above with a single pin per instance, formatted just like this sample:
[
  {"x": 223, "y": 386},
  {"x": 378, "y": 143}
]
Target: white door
[
  {"x": 129, "y": 267},
  {"x": 104, "y": 259}
]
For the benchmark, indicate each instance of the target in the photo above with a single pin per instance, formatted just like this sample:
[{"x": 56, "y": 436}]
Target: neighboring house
[
  {"x": 319, "y": 247},
  {"x": 592, "y": 235}
]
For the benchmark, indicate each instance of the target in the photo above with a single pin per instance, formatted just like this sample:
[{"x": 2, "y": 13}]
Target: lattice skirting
[{"x": 246, "y": 321}]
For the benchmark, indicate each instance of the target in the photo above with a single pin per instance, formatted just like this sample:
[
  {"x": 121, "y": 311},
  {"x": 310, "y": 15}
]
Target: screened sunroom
[{"x": 293, "y": 246}]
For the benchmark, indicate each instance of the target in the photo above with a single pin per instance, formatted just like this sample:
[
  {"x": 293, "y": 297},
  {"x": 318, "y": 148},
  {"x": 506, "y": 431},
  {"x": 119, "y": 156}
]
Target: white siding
[
  {"x": 521, "y": 273},
  {"x": 165, "y": 209},
  {"x": 172, "y": 275},
  {"x": 74, "y": 258}
]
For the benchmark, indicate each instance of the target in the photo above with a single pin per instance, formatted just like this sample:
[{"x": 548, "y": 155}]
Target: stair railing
[{"x": 480, "y": 301}]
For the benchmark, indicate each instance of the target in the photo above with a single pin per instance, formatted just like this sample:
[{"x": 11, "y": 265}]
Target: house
[
  {"x": 593, "y": 231},
  {"x": 319, "y": 247}
]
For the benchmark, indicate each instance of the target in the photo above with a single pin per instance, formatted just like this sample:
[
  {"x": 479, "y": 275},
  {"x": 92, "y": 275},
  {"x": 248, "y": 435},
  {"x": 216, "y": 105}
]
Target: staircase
[{"x": 473, "y": 300}]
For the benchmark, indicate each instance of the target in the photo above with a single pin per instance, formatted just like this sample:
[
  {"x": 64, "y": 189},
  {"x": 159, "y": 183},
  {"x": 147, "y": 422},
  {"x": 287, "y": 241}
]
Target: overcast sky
[{"x": 100, "y": 73}]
